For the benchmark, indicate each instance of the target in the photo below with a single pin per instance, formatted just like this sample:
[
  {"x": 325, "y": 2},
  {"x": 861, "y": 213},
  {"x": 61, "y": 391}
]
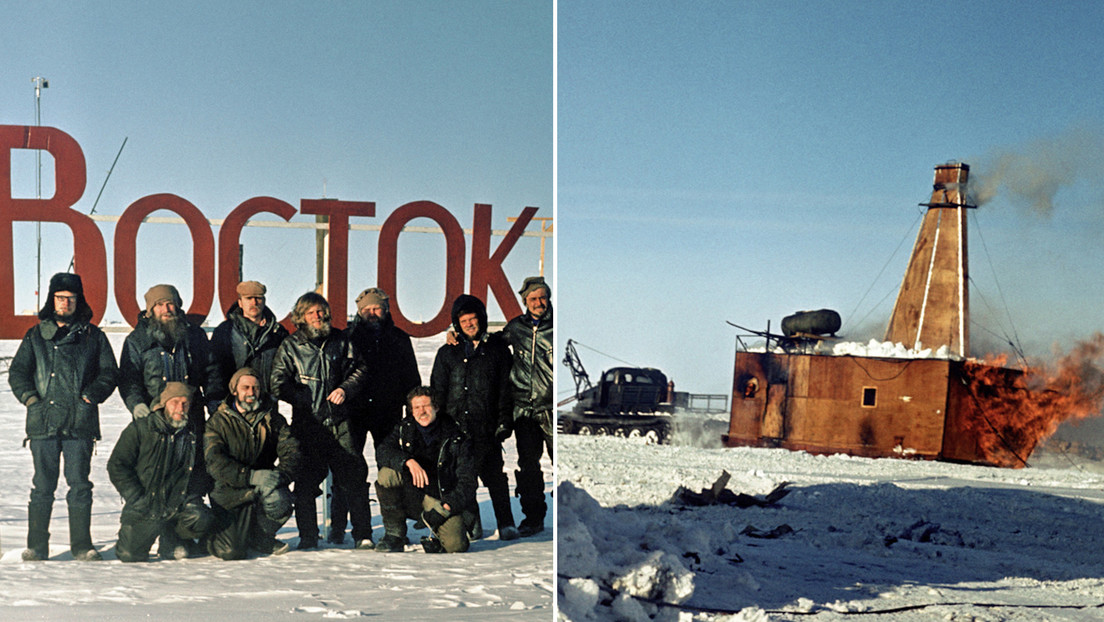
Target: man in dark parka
[
  {"x": 153, "y": 466},
  {"x": 247, "y": 338},
  {"x": 471, "y": 382},
  {"x": 64, "y": 368},
  {"x": 530, "y": 338},
  {"x": 426, "y": 472},
  {"x": 391, "y": 373},
  {"x": 317, "y": 370},
  {"x": 164, "y": 347},
  {"x": 252, "y": 457}
]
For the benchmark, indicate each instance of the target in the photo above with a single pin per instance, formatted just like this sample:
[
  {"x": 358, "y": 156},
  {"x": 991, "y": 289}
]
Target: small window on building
[
  {"x": 870, "y": 397},
  {"x": 751, "y": 387}
]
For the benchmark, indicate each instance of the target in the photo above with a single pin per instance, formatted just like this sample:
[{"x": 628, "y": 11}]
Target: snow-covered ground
[
  {"x": 494, "y": 580},
  {"x": 887, "y": 539}
]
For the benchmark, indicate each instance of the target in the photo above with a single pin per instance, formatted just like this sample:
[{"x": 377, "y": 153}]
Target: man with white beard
[
  {"x": 317, "y": 371},
  {"x": 252, "y": 457},
  {"x": 153, "y": 466}
]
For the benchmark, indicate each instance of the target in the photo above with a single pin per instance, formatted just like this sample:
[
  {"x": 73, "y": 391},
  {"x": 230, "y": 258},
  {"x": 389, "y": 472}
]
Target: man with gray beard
[
  {"x": 153, "y": 466},
  {"x": 252, "y": 457},
  {"x": 317, "y": 371},
  {"x": 164, "y": 347}
]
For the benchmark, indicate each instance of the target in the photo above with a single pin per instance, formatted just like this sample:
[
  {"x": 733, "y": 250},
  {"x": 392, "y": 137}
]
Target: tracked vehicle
[{"x": 626, "y": 401}]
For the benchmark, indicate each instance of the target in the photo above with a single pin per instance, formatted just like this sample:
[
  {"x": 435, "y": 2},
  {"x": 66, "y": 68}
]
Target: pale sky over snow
[
  {"x": 743, "y": 161},
  {"x": 390, "y": 102}
]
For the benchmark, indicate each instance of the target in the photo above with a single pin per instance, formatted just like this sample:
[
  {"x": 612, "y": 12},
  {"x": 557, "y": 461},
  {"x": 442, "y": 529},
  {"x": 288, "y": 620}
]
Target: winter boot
[
  {"x": 339, "y": 515},
  {"x": 531, "y": 527},
  {"x": 530, "y": 491},
  {"x": 80, "y": 534},
  {"x": 392, "y": 512},
  {"x": 306, "y": 518},
  {"x": 38, "y": 531},
  {"x": 430, "y": 544},
  {"x": 474, "y": 523}
]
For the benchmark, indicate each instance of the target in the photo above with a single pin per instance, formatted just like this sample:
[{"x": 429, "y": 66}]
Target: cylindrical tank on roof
[{"x": 820, "y": 322}]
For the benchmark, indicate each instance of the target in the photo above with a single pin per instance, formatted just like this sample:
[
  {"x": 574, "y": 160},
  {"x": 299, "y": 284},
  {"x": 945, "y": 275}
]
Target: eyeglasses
[{"x": 58, "y": 298}]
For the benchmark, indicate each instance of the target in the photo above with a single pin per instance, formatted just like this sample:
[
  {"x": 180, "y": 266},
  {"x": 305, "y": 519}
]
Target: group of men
[{"x": 257, "y": 468}]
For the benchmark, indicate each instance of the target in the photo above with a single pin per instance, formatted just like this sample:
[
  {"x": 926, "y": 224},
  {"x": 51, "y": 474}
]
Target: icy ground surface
[
  {"x": 494, "y": 580},
  {"x": 886, "y": 539}
]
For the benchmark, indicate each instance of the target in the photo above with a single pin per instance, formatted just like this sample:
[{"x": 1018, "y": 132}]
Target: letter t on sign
[{"x": 339, "y": 212}]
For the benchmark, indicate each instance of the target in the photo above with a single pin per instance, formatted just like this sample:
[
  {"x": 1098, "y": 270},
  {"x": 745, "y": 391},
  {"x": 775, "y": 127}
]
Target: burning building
[{"x": 949, "y": 408}]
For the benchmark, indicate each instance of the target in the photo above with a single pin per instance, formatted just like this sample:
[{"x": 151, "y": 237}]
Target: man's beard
[
  {"x": 64, "y": 319},
  {"x": 173, "y": 423},
  {"x": 170, "y": 331},
  {"x": 247, "y": 407},
  {"x": 318, "y": 333}
]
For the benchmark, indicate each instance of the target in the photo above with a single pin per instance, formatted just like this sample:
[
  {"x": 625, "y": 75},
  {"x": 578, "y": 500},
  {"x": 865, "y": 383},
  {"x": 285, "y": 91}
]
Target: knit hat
[
  {"x": 251, "y": 288},
  {"x": 531, "y": 283},
  {"x": 171, "y": 390},
  {"x": 244, "y": 371},
  {"x": 161, "y": 293},
  {"x": 372, "y": 296}
]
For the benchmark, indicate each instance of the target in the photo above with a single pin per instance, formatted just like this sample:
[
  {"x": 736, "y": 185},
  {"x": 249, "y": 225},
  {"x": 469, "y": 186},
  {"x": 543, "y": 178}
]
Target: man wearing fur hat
[
  {"x": 471, "y": 382},
  {"x": 154, "y": 468},
  {"x": 252, "y": 457},
  {"x": 317, "y": 371},
  {"x": 530, "y": 337},
  {"x": 63, "y": 370},
  {"x": 392, "y": 371},
  {"x": 248, "y": 338},
  {"x": 164, "y": 347}
]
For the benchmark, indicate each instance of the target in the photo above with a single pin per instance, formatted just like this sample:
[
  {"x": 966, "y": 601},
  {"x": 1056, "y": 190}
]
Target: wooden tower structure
[{"x": 933, "y": 305}]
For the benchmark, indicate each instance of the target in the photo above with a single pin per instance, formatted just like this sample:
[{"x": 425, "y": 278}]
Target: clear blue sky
[
  {"x": 390, "y": 102},
  {"x": 744, "y": 160}
]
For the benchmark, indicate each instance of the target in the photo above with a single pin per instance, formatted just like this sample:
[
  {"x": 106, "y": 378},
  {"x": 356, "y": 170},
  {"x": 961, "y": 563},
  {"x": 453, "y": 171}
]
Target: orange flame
[{"x": 1011, "y": 411}]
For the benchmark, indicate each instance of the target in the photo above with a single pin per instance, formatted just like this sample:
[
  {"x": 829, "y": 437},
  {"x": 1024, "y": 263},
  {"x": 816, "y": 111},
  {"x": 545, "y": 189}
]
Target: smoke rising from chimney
[{"x": 1032, "y": 174}]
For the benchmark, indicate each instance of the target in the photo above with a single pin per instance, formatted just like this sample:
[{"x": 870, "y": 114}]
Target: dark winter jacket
[
  {"x": 471, "y": 384},
  {"x": 153, "y": 466},
  {"x": 448, "y": 462},
  {"x": 306, "y": 371},
  {"x": 237, "y": 343},
  {"x": 391, "y": 371},
  {"x": 146, "y": 364},
  {"x": 531, "y": 373},
  {"x": 52, "y": 372},
  {"x": 236, "y": 444}
]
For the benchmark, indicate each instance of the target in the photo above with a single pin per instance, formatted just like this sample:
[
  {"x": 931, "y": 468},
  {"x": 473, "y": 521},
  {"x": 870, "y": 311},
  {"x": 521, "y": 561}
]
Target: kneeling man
[
  {"x": 426, "y": 471},
  {"x": 252, "y": 457},
  {"x": 153, "y": 468}
]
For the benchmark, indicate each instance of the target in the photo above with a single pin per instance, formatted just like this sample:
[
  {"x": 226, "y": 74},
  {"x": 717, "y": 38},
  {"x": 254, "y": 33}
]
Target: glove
[
  {"x": 434, "y": 519},
  {"x": 264, "y": 480},
  {"x": 31, "y": 401},
  {"x": 503, "y": 432},
  {"x": 141, "y": 410}
]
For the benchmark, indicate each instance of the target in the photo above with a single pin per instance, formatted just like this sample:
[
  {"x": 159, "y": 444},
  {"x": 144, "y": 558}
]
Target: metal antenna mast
[{"x": 39, "y": 84}]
